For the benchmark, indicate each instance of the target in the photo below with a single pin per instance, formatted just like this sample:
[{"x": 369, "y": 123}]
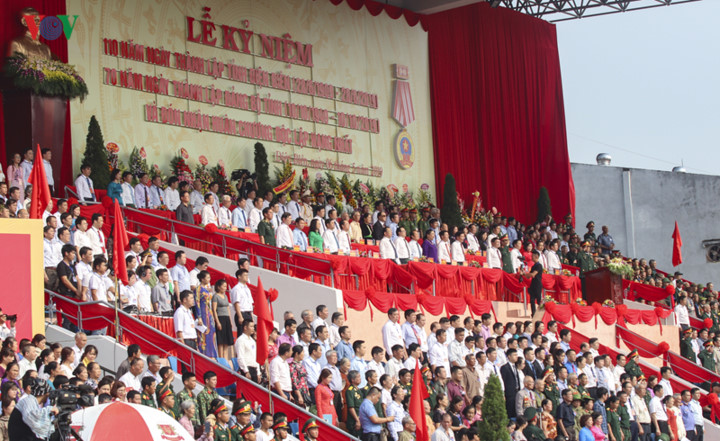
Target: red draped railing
[{"x": 610, "y": 316}]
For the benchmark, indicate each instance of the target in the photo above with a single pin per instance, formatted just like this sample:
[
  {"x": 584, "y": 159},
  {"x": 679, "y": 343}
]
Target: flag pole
[{"x": 267, "y": 370}]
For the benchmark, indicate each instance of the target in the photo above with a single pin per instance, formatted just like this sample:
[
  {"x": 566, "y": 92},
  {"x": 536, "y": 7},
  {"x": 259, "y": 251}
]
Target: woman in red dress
[{"x": 324, "y": 396}]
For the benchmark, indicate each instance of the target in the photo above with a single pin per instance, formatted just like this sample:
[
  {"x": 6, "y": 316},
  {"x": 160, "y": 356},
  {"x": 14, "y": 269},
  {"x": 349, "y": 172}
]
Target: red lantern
[
  {"x": 663, "y": 347},
  {"x": 708, "y": 323},
  {"x": 272, "y": 294}
]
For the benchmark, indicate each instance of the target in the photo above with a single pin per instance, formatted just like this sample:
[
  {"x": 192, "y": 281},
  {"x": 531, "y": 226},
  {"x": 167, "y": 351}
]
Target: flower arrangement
[
  {"x": 138, "y": 162},
  {"x": 218, "y": 175},
  {"x": 114, "y": 161},
  {"x": 304, "y": 181},
  {"x": 46, "y": 77},
  {"x": 156, "y": 172},
  {"x": 581, "y": 302},
  {"x": 608, "y": 303},
  {"x": 347, "y": 191},
  {"x": 203, "y": 174},
  {"x": 180, "y": 168},
  {"x": 620, "y": 267},
  {"x": 549, "y": 299},
  {"x": 283, "y": 174}
]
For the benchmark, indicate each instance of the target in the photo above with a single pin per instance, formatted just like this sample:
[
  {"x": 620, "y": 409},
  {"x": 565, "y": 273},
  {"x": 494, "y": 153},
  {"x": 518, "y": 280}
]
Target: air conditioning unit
[{"x": 713, "y": 250}]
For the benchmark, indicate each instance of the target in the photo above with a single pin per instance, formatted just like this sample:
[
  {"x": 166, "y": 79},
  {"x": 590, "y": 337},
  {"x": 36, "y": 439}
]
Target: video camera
[
  {"x": 242, "y": 173},
  {"x": 67, "y": 401}
]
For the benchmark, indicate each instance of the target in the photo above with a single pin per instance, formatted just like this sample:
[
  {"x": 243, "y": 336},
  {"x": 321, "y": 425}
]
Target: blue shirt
[
  {"x": 393, "y": 227},
  {"x": 239, "y": 218},
  {"x": 367, "y": 409},
  {"x": 360, "y": 365},
  {"x": 688, "y": 416},
  {"x": 344, "y": 350},
  {"x": 180, "y": 274},
  {"x": 599, "y": 407},
  {"x": 586, "y": 435},
  {"x": 300, "y": 239}
]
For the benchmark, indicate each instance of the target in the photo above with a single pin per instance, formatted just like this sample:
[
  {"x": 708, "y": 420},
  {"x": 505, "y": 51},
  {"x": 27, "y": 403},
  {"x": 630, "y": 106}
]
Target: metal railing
[{"x": 194, "y": 354}]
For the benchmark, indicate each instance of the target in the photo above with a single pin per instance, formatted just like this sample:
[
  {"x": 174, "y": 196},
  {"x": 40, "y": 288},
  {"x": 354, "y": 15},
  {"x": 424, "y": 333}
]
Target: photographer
[
  {"x": 31, "y": 419},
  {"x": 246, "y": 182},
  {"x": 7, "y": 325}
]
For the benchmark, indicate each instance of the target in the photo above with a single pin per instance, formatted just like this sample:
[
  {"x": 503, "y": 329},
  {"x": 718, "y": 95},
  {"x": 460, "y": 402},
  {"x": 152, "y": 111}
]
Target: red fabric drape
[
  {"x": 10, "y": 29},
  {"x": 646, "y": 292},
  {"x": 497, "y": 107}
]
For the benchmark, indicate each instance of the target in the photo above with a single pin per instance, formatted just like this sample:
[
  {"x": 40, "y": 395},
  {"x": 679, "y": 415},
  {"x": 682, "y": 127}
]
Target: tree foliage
[
  {"x": 543, "y": 205},
  {"x": 262, "y": 169},
  {"x": 450, "y": 211},
  {"x": 96, "y": 155},
  {"x": 495, "y": 420}
]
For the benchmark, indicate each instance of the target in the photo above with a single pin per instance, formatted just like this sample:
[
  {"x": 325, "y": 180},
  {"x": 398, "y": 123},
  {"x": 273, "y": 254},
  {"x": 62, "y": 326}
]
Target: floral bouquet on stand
[
  {"x": 138, "y": 162},
  {"x": 203, "y": 174},
  {"x": 114, "y": 161},
  {"x": 218, "y": 175},
  {"x": 620, "y": 267},
  {"x": 180, "y": 168},
  {"x": 46, "y": 77},
  {"x": 608, "y": 303}
]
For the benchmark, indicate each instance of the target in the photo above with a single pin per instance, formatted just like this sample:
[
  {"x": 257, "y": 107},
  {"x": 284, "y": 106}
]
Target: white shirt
[
  {"x": 439, "y": 356},
  {"x": 208, "y": 215},
  {"x": 667, "y": 388},
  {"x": 656, "y": 408},
  {"x": 494, "y": 258},
  {"x": 184, "y": 322},
  {"x": 444, "y": 253},
  {"x": 197, "y": 201},
  {"x": 83, "y": 271},
  {"x": 48, "y": 173},
  {"x": 132, "y": 382},
  {"x": 255, "y": 218},
  {"x": 330, "y": 241},
  {"x": 280, "y": 373},
  {"x": 97, "y": 240},
  {"x": 473, "y": 244},
  {"x": 224, "y": 217},
  {"x": 172, "y": 198},
  {"x": 239, "y": 218},
  {"x": 284, "y": 237},
  {"x": 246, "y": 350},
  {"x": 394, "y": 367},
  {"x": 128, "y": 194},
  {"x": 52, "y": 254},
  {"x": 294, "y": 208},
  {"x": 373, "y": 365},
  {"x": 241, "y": 294},
  {"x": 83, "y": 185},
  {"x": 415, "y": 250},
  {"x": 334, "y": 335},
  {"x": 458, "y": 253},
  {"x": 100, "y": 283},
  {"x": 388, "y": 250},
  {"x": 457, "y": 351},
  {"x": 144, "y": 297},
  {"x": 343, "y": 242},
  {"x": 516, "y": 259},
  {"x": 392, "y": 335},
  {"x": 81, "y": 239},
  {"x": 440, "y": 435},
  {"x": 129, "y": 295},
  {"x": 681, "y": 314},
  {"x": 143, "y": 199},
  {"x": 553, "y": 261},
  {"x": 403, "y": 248}
]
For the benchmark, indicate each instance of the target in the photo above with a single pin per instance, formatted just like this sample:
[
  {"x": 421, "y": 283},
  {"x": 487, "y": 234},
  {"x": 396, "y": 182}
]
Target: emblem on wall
[{"x": 404, "y": 114}]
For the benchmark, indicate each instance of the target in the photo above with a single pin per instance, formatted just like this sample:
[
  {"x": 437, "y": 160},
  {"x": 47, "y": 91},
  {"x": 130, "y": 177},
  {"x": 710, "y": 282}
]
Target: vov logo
[{"x": 50, "y": 27}]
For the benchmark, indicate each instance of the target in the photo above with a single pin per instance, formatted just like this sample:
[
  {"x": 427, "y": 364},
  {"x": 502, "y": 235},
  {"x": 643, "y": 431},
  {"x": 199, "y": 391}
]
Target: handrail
[{"x": 194, "y": 354}]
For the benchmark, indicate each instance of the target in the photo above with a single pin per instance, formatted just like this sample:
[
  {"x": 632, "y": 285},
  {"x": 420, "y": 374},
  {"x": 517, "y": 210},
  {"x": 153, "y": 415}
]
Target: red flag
[
  {"x": 264, "y": 323},
  {"x": 120, "y": 242},
  {"x": 41, "y": 197},
  {"x": 417, "y": 408},
  {"x": 677, "y": 246}
]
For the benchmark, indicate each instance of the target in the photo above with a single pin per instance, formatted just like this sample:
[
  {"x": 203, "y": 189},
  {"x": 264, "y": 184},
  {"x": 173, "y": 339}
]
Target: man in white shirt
[
  {"x": 330, "y": 240},
  {"x": 658, "y": 416},
  {"x": 184, "y": 321},
  {"x": 133, "y": 377},
  {"x": 143, "y": 290},
  {"x": 208, "y": 213},
  {"x": 444, "y": 431},
  {"x": 280, "y": 372},
  {"x": 52, "y": 249},
  {"x": 224, "y": 214},
  {"x": 284, "y": 237},
  {"x": 241, "y": 298},
  {"x": 46, "y": 158},
  {"x": 79, "y": 348},
  {"x": 438, "y": 355},
  {"x": 100, "y": 286},
  {"x": 143, "y": 199},
  {"x": 516, "y": 256},
  {"x": 443, "y": 247},
  {"x": 494, "y": 257},
  {"x": 197, "y": 197},
  {"x": 171, "y": 194},
  {"x": 97, "y": 237},
  {"x": 84, "y": 270},
  {"x": 343, "y": 235},
  {"x": 293, "y": 205},
  {"x": 458, "y": 252},
  {"x": 376, "y": 364},
  {"x": 157, "y": 194},
  {"x": 414, "y": 247},
  {"x": 239, "y": 216},
  {"x": 408, "y": 328},
  {"x": 299, "y": 237},
  {"x": 681, "y": 313},
  {"x": 313, "y": 366},
  {"x": 552, "y": 258},
  {"x": 83, "y": 184},
  {"x": 473, "y": 244},
  {"x": 27, "y": 165},
  {"x": 256, "y": 214},
  {"x": 457, "y": 350},
  {"x": 128, "y": 192},
  {"x": 180, "y": 275},
  {"x": 136, "y": 249},
  {"x": 665, "y": 373},
  {"x": 246, "y": 350},
  {"x": 387, "y": 247},
  {"x": 391, "y": 331},
  {"x": 402, "y": 245}
]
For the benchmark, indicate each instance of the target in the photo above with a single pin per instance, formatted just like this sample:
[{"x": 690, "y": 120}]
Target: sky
[{"x": 644, "y": 86}]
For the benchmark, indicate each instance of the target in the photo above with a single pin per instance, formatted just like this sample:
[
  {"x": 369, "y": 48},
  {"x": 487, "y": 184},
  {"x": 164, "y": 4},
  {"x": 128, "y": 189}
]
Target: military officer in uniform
[
  {"x": 148, "y": 390},
  {"x": 707, "y": 356},
  {"x": 424, "y": 223},
  {"x": 247, "y": 433},
  {"x": 280, "y": 430},
  {"x": 242, "y": 412},
  {"x": 532, "y": 432},
  {"x": 686, "y": 349},
  {"x": 353, "y": 400},
  {"x": 311, "y": 430},
  {"x": 507, "y": 264},
  {"x": 587, "y": 263},
  {"x": 631, "y": 367},
  {"x": 551, "y": 392},
  {"x": 167, "y": 403},
  {"x": 222, "y": 416}
]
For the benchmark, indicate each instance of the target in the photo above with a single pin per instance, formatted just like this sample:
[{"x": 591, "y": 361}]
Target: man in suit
[
  {"x": 530, "y": 369},
  {"x": 379, "y": 227},
  {"x": 511, "y": 379}
]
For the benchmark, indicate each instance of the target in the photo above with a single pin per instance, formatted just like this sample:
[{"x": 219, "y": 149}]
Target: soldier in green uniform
[
  {"x": 242, "y": 411},
  {"x": 532, "y": 432},
  {"x": 311, "y": 430},
  {"x": 222, "y": 417},
  {"x": 624, "y": 415},
  {"x": 686, "y": 349},
  {"x": 353, "y": 400},
  {"x": 246, "y": 433},
  {"x": 507, "y": 265},
  {"x": 613, "y": 420},
  {"x": 280, "y": 430},
  {"x": 189, "y": 381},
  {"x": 167, "y": 403},
  {"x": 404, "y": 220},
  {"x": 265, "y": 229},
  {"x": 405, "y": 376},
  {"x": 413, "y": 221},
  {"x": 707, "y": 356},
  {"x": 167, "y": 374},
  {"x": 587, "y": 263},
  {"x": 424, "y": 223},
  {"x": 207, "y": 395},
  {"x": 148, "y": 390},
  {"x": 438, "y": 385},
  {"x": 590, "y": 235},
  {"x": 631, "y": 367},
  {"x": 551, "y": 392}
]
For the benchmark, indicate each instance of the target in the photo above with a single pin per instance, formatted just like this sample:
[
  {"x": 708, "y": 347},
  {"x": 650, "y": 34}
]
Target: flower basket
[{"x": 46, "y": 77}]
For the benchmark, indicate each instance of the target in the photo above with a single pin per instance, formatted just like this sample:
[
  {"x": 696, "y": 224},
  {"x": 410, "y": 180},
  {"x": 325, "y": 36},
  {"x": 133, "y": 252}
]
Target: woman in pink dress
[
  {"x": 15, "y": 175},
  {"x": 597, "y": 427},
  {"x": 324, "y": 396}
]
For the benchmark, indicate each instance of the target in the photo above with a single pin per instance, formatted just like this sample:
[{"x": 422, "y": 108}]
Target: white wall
[{"x": 645, "y": 206}]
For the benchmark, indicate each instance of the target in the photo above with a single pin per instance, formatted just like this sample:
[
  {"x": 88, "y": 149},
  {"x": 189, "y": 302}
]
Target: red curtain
[
  {"x": 11, "y": 28},
  {"x": 497, "y": 109}
]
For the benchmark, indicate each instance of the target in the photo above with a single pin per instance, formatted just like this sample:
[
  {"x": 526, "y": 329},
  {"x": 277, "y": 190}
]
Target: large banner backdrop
[{"x": 314, "y": 82}]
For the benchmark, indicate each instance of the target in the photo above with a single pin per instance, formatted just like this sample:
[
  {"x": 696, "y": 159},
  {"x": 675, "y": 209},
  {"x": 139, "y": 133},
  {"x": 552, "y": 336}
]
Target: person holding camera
[
  {"x": 7, "y": 325},
  {"x": 31, "y": 419}
]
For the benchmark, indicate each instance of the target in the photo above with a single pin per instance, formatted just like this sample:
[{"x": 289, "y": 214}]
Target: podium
[
  {"x": 31, "y": 120},
  {"x": 601, "y": 284}
]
